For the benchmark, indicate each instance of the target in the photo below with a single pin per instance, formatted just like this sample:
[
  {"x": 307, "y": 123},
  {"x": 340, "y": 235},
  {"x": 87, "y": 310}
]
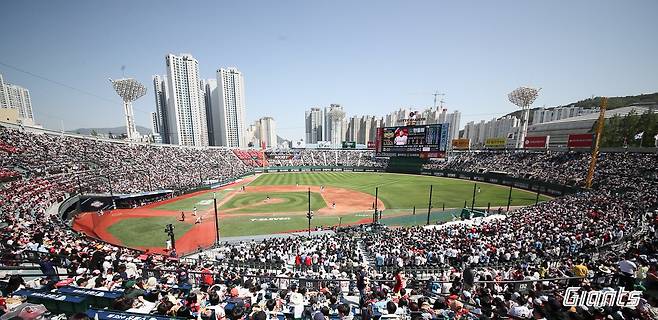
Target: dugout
[
  {"x": 96, "y": 202},
  {"x": 467, "y": 214}
]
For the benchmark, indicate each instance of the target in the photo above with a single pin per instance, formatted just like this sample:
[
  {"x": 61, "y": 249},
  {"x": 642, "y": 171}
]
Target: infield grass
[
  {"x": 279, "y": 202},
  {"x": 277, "y": 223},
  {"x": 202, "y": 202}
]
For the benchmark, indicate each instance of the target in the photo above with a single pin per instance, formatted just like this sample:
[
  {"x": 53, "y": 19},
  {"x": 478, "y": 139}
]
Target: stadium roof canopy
[{"x": 559, "y": 130}]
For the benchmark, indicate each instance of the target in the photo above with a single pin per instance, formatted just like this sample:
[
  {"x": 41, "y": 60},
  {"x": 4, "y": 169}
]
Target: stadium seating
[{"x": 515, "y": 266}]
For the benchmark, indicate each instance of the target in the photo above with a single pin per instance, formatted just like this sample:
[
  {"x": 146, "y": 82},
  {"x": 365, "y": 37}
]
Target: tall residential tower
[
  {"x": 228, "y": 117},
  {"x": 16, "y": 97},
  {"x": 160, "y": 124},
  {"x": 186, "y": 113},
  {"x": 314, "y": 119}
]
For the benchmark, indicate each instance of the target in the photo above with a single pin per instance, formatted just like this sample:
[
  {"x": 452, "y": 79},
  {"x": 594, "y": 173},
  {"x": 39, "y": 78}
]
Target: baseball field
[{"x": 278, "y": 202}]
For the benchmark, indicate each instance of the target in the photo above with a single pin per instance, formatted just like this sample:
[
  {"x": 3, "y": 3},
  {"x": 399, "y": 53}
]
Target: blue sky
[{"x": 370, "y": 56}]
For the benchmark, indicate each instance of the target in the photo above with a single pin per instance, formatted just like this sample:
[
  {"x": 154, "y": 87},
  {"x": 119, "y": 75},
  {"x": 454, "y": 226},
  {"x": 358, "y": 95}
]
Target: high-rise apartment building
[
  {"x": 334, "y": 118},
  {"x": 262, "y": 133},
  {"x": 430, "y": 116},
  {"x": 314, "y": 119},
  {"x": 211, "y": 101},
  {"x": 16, "y": 97},
  {"x": 365, "y": 129},
  {"x": 155, "y": 128},
  {"x": 454, "y": 121},
  {"x": 494, "y": 128},
  {"x": 203, "y": 102},
  {"x": 353, "y": 125},
  {"x": 186, "y": 114},
  {"x": 266, "y": 132},
  {"x": 394, "y": 118},
  {"x": 4, "y": 97},
  {"x": 229, "y": 121},
  {"x": 160, "y": 94}
]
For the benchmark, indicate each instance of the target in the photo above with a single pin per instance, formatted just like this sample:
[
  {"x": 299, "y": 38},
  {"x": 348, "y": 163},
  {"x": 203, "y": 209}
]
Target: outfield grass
[
  {"x": 402, "y": 191},
  {"x": 253, "y": 225},
  {"x": 147, "y": 232},
  {"x": 292, "y": 202},
  {"x": 202, "y": 202}
]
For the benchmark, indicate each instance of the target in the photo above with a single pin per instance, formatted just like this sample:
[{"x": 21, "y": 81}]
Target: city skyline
[
  {"x": 192, "y": 111},
  {"x": 290, "y": 66}
]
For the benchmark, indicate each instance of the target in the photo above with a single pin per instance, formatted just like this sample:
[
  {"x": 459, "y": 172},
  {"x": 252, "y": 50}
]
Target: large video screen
[{"x": 421, "y": 140}]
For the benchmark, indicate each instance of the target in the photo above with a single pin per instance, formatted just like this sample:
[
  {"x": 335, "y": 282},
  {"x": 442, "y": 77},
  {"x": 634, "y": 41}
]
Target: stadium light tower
[
  {"x": 523, "y": 97},
  {"x": 129, "y": 90}
]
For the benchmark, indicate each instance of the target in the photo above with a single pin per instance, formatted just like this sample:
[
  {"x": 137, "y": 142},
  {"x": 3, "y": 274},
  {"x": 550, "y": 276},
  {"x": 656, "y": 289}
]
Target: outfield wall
[
  {"x": 317, "y": 169},
  {"x": 552, "y": 189}
]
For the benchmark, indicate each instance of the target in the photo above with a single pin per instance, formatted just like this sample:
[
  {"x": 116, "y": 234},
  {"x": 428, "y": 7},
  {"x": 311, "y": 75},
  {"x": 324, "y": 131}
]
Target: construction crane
[
  {"x": 597, "y": 141},
  {"x": 437, "y": 94}
]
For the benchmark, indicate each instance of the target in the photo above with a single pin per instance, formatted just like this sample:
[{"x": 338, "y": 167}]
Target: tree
[
  {"x": 618, "y": 129},
  {"x": 94, "y": 133}
]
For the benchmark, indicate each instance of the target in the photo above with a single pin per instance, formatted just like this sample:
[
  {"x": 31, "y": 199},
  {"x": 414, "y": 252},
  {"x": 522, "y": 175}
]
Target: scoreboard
[{"x": 425, "y": 141}]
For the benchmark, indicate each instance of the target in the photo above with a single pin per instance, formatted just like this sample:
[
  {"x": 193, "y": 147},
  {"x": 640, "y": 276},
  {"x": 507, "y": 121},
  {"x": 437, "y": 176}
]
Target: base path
[
  {"x": 203, "y": 234},
  {"x": 347, "y": 200},
  {"x": 200, "y": 235}
]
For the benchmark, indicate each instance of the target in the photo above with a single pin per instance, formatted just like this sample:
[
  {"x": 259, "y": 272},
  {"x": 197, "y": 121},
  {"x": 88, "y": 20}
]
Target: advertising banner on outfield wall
[
  {"x": 371, "y": 144},
  {"x": 495, "y": 143},
  {"x": 432, "y": 155},
  {"x": 538, "y": 142},
  {"x": 580, "y": 140},
  {"x": 461, "y": 144}
]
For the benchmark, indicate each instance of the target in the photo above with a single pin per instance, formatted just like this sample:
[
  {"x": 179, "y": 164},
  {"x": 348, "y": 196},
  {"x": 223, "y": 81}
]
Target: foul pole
[
  {"x": 309, "y": 215},
  {"x": 429, "y": 205},
  {"x": 375, "y": 214},
  {"x": 597, "y": 141},
  {"x": 214, "y": 200}
]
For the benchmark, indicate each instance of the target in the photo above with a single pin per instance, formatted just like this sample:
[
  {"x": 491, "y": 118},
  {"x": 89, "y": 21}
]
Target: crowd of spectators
[
  {"x": 328, "y": 157},
  {"x": 8, "y": 175},
  {"x": 251, "y": 157},
  {"x": 557, "y": 167},
  {"x": 598, "y": 239}
]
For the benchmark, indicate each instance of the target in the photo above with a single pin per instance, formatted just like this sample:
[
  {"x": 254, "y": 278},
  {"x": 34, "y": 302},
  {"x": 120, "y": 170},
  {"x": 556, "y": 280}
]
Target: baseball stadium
[
  {"x": 356, "y": 224},
  {"x": 319, "y": 160},
  {"x": 268, "y": 203}
]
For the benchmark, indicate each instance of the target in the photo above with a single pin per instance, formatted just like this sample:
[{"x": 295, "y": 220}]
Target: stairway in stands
[{"x": 369, "y": 258}]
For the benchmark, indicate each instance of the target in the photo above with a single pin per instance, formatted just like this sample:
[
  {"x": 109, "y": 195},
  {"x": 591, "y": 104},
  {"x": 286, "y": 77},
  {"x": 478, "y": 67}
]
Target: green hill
[
  {"x": 616, "y": 102},
  {"x": 613, "y": 103}
]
